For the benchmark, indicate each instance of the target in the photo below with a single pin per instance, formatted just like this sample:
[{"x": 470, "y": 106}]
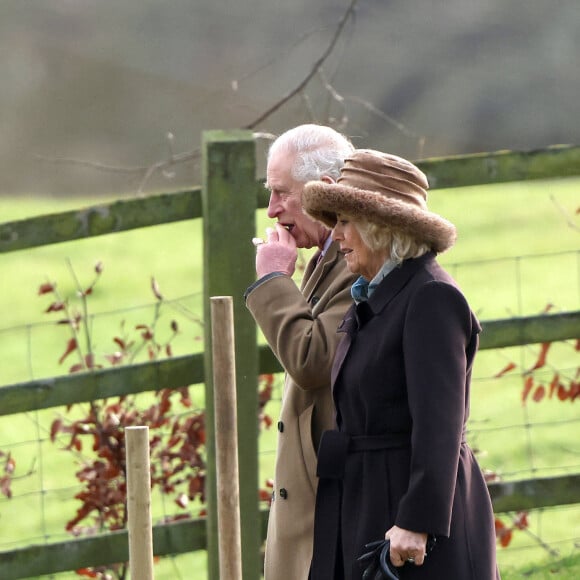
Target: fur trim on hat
[{"x": 407, "y": 214}]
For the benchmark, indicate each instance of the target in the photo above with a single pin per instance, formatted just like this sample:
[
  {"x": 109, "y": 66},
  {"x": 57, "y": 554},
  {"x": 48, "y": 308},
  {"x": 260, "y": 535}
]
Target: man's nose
[{"x": 273, "y": 207}]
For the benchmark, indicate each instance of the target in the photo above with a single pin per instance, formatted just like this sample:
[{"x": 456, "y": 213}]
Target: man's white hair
[{"x": 319, "y": 151}]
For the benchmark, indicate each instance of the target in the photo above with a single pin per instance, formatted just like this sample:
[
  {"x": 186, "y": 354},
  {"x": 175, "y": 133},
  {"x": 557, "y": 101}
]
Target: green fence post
[{"x": 229, "y": 221}]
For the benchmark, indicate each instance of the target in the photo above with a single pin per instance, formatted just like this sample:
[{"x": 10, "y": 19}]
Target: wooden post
[
  {"x": 229, "y": 203},
  {"x": 139, "y": 503},
  {"x": 226, "y": 435}
]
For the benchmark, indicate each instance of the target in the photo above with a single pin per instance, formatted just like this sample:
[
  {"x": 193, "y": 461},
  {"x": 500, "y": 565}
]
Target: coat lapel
[
  {"x": 315, "y": 272},
  {"x": 396, "y": 281},
  {"x": 358, "y": 315}
]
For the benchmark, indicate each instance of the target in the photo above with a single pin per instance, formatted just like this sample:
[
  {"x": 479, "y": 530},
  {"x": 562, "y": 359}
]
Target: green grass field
[{"x": 515, "y": 254}]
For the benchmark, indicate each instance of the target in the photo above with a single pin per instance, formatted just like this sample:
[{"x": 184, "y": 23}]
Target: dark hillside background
[{"x": 89, "y": 89}]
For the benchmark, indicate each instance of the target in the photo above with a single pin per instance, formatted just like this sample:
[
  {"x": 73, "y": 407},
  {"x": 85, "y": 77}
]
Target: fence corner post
[{"x": 229, "y": 204}]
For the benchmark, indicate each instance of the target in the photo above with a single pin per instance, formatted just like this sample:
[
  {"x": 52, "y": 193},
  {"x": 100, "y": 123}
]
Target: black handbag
[{"x": 377, "y": 560}]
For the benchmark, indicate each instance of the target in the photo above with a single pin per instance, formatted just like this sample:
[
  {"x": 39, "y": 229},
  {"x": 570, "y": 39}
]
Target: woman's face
[{"x": 360, "y": 259}]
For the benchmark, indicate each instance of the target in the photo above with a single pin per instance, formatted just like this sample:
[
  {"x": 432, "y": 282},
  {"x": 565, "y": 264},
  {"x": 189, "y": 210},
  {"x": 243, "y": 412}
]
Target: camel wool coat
[
  {"x": 300, "y": 326},
  {"x": 401, "y": 384}
]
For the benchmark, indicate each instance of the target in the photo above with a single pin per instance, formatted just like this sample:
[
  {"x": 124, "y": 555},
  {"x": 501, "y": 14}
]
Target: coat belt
[
  {"x": 333, "y": 450},
  {"x": 336, "y": 445}
]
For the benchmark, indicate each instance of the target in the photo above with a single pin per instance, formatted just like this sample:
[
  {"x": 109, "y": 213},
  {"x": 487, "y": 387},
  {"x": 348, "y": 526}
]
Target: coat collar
[
  {"x": 359, "y": 314},
  {"x": 396, "y": 281},
  {"x": 314, "y": 272}
]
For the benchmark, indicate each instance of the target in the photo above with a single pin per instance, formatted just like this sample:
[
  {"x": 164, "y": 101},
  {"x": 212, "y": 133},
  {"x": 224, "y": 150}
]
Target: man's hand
[{"x": 277, "y": 254}]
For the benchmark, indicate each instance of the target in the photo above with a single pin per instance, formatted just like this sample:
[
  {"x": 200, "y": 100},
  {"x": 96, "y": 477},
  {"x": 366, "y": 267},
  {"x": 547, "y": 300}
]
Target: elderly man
[{"x": 300, "y": 326}]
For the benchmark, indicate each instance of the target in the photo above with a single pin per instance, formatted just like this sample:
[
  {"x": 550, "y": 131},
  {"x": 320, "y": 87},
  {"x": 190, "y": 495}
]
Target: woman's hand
[{"x": 406, "y": 546}]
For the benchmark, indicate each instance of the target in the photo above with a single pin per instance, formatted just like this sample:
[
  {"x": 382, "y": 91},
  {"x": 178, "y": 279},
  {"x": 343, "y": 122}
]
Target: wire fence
[{"x": 514, "y": 434}]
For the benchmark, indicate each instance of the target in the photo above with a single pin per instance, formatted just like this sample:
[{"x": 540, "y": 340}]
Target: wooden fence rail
[
  {"x": 229, "y": 174},
  {"x": 186, "y": 370},
  {"x": 130, "y": 214},
  {"x": 190, "y": 535}
]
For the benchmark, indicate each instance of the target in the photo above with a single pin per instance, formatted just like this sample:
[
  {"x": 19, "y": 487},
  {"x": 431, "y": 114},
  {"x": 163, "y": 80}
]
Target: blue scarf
[{"x": 362, "y": 289}]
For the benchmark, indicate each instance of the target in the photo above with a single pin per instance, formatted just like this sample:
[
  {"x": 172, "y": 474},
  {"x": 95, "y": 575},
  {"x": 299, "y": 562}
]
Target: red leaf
[
  {"x": 90, "y": 360},
  {"x": 70, "y": 347},
  {"x": 574, "y": 390},
  {"x": 5, "y": 486},
  {"x": 542, "y": 356},
  {"x": 563, "y": 394},
  {"x": 505, "y": 538},
  {"x": 86, "y": 572},
  {"x": 509, "y": 367},
  {"x": 55, "y": 428},
  {"x": 539, "y": 393},
  {"x": 182, "y": 500},
  {"x": 46, "y": 288},
  {"x": 528, "y": 384},
  {"x": 55, "y": 307},
  {"x": 503, "y": 533},
  {"x": 521, "y": 520}
]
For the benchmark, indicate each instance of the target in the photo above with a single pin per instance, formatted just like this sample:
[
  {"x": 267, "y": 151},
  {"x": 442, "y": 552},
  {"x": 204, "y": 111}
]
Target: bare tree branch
[
  {"x": 147, "y": 172},
  {"x": 312, "y": 72},
  {"x": 93, "y": 164}
]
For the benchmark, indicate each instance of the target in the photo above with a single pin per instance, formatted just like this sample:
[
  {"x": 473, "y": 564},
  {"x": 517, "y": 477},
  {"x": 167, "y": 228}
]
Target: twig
[
  {"x": 564, "y": 213},
  {"x": 82, "y": 295},
  {"x": 541, "y": 542},
  {"x": 313, "y": 71}
]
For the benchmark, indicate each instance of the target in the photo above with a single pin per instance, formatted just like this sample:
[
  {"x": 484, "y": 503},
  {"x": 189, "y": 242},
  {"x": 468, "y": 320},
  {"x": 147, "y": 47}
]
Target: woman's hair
[
  {"x": 318, "y": 151},
  {"x": 399, "y": 246}
]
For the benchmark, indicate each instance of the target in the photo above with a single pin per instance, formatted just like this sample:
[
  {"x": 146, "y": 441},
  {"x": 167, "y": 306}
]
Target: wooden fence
[{"x": 231, "y": 195}]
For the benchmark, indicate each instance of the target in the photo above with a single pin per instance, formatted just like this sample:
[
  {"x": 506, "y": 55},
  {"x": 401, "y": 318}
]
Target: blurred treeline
[{"x": 95, "y": 92}]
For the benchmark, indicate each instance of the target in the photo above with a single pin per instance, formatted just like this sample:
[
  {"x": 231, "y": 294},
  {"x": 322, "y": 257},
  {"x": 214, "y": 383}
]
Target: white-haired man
[{"x": 300, "y": 326}]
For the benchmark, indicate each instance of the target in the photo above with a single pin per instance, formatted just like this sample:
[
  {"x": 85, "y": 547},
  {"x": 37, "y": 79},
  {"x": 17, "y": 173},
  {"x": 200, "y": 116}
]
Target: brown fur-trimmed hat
[{"x": 383, "y": 189}]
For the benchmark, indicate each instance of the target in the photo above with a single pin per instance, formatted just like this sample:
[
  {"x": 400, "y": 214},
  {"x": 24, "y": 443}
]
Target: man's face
[{"x": 286, "y": 203}]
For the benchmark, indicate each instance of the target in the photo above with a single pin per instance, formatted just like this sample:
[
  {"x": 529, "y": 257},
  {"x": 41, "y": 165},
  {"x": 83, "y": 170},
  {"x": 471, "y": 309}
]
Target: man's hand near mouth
[{"x": 278, "y": 253}]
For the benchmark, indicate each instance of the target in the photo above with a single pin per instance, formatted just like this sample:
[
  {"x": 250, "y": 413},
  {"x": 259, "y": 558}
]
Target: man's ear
[{"x": 327, "y": 179}]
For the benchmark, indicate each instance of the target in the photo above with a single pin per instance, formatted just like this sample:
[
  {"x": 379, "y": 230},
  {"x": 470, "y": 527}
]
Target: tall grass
[{"x": 515, "y": 254}]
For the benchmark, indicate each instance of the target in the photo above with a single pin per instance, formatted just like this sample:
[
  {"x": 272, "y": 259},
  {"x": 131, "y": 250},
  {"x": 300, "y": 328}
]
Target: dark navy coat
[{"x": 401, "y": 388}]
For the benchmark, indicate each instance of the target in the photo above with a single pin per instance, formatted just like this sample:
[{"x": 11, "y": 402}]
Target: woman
[{"x": 398, "y": 466}]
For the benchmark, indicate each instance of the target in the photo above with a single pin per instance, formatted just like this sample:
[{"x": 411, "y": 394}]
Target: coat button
[
  {"x": 315, "y": 300},
  {"x": 280, "y": 426},
  {"x": 283, "y": 493}
]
